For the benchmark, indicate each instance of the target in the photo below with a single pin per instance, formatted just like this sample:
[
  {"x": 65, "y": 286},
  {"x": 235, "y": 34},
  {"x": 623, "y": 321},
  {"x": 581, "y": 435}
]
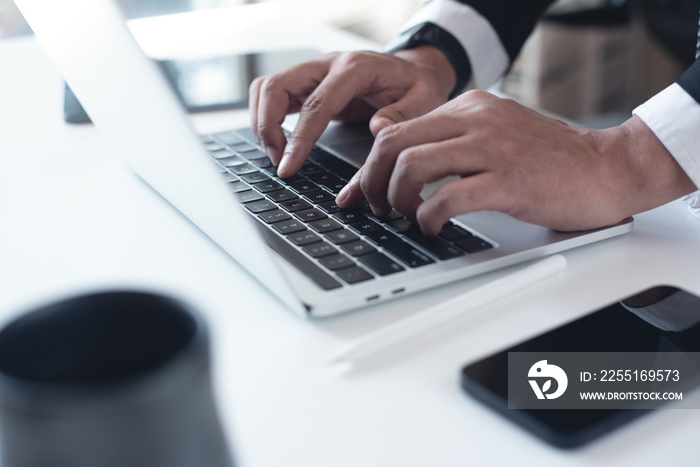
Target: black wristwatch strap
[{"x": 429, "y": 33}]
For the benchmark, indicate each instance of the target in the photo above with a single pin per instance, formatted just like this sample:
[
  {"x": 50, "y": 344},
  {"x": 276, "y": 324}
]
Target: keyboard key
[
  {"x": 255, "y": 177},
  {"x": 473, "y": 244},
  {"x": 304, "y": 238},
  {"x": 335, "y": 186},
  {"x": 364, "y": 207},
  {"x": 229, "y": 177},
  {"x": 325, "y": 225},
  {"x": 274, "y": 216},
  {"x": 255, "y": 155},
  {"x": 295, "y": 205},
  {"x": 408, "y": 254},
  {"x": 310, "y": 215},
  {"x": 243, "y": 147},
  {"x": 248, "y": 196},
  {"x": 229, "y": 138},
  {"x": 282, "y": 195},
  {"x": 358, "y": 248},
  {"x": 349, "y": 216},
  {"x": 454, "y": 232},
  {"x": 304, "y": 187},
  {"x": 319, "y": 250},
  {"x": 248, "y": 134},
  {"x": 212, "y": 146},
  {"x": 337, "y": 262},
  {"x": 329, "y": 207},
  {"x": 237, "y": 187},
  {"x": 309, "y": 168},
  {"x": 294, "y": 179},
  {"x": 309, "y": 268},
  {"x": 319, "y": 197},
  {"x": 289, "y": 227},
  {"x": 267, "y": 187},
  {"x": 341, "y": 236},
  {"x": 260, "y": 206},
  {"x": 380, "y": 264},
  {"x": 272, "y": 170},
  {"x": 394, "y": 214},
  {"x": 232, "y": 161},
  {"x": 383, "y": 237},
  {"x": 434, "y": 245},
  {"x": 221, "y": 154},
  {"x": 243, "y": 169},
  {"x": 365, "y": 227},
  {"x": 400, "y": 225},
  {"x": 263, "y": 162},
  {"x": 322, "y": 177},
  {"x": 338, "y": 167},
  {"x": 319, "y": 155},
  {"x": 354, "y": 275}
]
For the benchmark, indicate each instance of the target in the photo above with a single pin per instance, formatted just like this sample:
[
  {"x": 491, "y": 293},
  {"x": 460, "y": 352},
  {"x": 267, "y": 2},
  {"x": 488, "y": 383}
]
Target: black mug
[{"x": 111, "y": 379}]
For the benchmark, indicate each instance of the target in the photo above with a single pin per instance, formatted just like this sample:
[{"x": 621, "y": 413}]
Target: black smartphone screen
[{"x": 611, "y": 329}]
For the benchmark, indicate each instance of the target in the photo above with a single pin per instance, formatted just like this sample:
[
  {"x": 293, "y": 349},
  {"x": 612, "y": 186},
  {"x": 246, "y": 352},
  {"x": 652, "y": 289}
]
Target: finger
[
  {"x": 433, "y": 127},
  {"x": 476, "y": 193},
  {"x": 416, "y": 102},
  {"x": 253, "y": 96},
  {"x": 358, "y": 110},
  {"x": 277, "y": 95},
  {"x": 429, "y": 163},
  {"x": 351, "y": 194},
  {"x": 329, "y": 99}
]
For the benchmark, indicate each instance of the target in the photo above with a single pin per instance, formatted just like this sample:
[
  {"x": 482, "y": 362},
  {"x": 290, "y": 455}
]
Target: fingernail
[
  {"x": 284, "y": 165},
  {"x": 379, "y": 123},
  {"x": 377, "y": 212},
  {"x": 342, "y": 196},
  {"x": 385, "y": 122}
]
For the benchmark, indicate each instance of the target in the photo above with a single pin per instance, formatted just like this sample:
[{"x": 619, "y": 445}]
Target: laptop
[{"x": 317, "y": 259}]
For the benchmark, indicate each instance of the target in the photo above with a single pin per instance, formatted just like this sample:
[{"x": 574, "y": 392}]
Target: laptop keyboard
[{"x": 300, "y": 220}]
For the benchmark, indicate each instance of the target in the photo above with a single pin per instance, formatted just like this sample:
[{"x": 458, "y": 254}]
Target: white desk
[{"x": 74, "y": 219}]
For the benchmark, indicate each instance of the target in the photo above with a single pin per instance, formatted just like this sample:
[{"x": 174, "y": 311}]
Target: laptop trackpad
[{"x": 352, "y": 141}]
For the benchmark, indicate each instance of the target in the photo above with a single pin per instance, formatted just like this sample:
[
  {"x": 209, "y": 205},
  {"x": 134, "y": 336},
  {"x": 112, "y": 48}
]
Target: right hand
[{"x": 349, "y": 86}]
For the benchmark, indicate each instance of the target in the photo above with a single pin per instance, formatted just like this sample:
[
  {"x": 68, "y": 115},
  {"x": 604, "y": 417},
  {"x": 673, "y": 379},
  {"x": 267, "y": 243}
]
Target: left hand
[{"x": 517, "y": 161}]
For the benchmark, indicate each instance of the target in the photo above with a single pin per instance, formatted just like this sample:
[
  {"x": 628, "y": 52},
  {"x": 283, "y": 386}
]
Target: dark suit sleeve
[
  {"x": 450, "y": 25},
  {"x": 513, "y": 20},
  {"x": 690, "y": 81}
]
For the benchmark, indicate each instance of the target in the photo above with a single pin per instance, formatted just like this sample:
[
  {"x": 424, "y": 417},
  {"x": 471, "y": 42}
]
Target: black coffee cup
[{"x": 109, "y": 379}]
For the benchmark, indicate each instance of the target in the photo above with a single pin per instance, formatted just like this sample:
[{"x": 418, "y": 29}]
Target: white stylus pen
[{"x": 384, "y": 338}]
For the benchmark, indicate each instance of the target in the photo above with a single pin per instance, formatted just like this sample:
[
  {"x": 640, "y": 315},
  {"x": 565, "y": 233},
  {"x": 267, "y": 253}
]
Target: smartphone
[
  {"x": 212, "y": 83},
  {"x": 614, "y": 354}
]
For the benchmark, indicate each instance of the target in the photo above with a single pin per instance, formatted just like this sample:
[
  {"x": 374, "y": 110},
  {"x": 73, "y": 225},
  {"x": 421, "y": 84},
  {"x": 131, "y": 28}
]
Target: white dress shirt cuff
[
  {"x": 489, "y": 59},
  {"x": 674, "y": 117}
]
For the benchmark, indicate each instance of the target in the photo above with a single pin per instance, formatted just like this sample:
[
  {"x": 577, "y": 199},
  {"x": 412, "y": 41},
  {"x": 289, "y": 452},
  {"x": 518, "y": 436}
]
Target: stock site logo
[{"x": 544, "y": 374}]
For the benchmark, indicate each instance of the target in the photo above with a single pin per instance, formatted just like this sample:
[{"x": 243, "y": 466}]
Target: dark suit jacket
[{"x": 673, "y": 22}]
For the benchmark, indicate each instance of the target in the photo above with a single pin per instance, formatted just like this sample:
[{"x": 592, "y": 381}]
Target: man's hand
[
  {"x": 515, "y": 160},
  {"x": 345, "y": 86}
]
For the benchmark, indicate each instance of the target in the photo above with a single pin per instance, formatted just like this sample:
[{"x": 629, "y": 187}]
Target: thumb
[
  {"x": 413, "y": 104},
  {"x": 385, "y": 117}
]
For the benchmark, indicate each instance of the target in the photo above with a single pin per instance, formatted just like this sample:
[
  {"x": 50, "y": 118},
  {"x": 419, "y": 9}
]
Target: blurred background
[{"x": 591, "y": 61}]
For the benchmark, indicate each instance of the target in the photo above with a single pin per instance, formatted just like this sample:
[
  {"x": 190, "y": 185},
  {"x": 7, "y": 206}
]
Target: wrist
[
  {"x": 649, "y": 175},
  {"x": 435, "y": 62}
]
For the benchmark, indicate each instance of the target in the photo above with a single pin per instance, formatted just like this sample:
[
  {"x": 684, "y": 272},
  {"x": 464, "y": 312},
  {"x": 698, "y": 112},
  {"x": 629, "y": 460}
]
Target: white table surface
[{"x": 74, "y": 219}]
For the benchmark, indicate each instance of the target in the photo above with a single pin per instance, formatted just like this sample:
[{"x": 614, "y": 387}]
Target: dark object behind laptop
[{"x": 111, "y": 380}]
